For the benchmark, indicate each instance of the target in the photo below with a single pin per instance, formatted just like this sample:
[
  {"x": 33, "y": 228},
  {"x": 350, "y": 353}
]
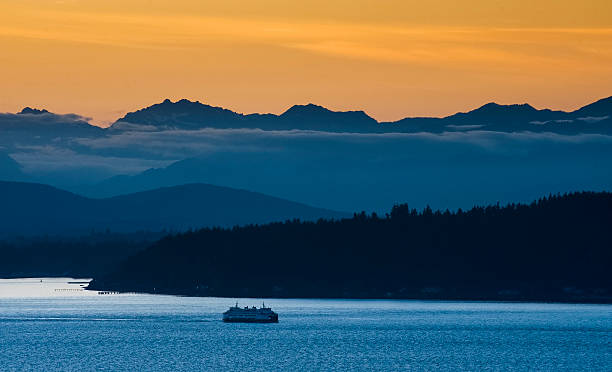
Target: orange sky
[{"x": 392, "y": 58}]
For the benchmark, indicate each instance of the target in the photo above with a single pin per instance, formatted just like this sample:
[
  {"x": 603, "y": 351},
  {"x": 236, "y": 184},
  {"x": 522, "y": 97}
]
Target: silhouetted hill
[
  {"x": 316, "y": 117},
  {"x": 601, "y": 108},
  {"x": 555, "y": 249},
  {"x": 35, "y": 209},
  {"x": 95, "y": 253},
  {"x": 493, "y": 113},
  {"x": 185, "y": 171},
  {"x": 10, "y": 170},
  {"x": 594, "y": 118},
  {"x": 184, "y": 114}
]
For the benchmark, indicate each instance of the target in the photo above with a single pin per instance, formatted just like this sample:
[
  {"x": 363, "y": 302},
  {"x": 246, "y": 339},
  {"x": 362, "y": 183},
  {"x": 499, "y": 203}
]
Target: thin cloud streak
[
  {"x": 186, "y": 143},
  {"x": 371, "y": 42}
]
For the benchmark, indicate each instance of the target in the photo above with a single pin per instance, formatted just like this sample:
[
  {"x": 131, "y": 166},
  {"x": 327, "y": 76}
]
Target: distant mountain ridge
[
  {"x": 10, "y": 170},
  {"x": 37, "y": 209},
  {"x": 32, "y": 111},
  {"x": 593, "y": 118},
  {"x": 185, "y": 114},
  {"x": 189, "y": 115}
]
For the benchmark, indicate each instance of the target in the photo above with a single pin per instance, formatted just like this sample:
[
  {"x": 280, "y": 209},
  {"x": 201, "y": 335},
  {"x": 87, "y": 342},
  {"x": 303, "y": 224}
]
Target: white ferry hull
[
  {"x": 250, "y": 315},
  {"x": 250, "y": 320}
]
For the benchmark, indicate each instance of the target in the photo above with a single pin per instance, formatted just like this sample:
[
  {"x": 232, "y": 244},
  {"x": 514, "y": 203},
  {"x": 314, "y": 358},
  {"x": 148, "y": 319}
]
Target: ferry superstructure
[{"x": 247, "y": 314}]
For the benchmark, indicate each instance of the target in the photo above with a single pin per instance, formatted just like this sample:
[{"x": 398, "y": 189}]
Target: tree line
[{"x": 555, "y": 248}]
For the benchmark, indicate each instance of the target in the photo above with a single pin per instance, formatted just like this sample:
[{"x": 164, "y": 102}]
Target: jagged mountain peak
[
  {"x": 493, "y": 107},
  {"x": 309, "y": 108},
  {"x": 186, "y": 114},
  {"x": 183, "y": 114},
  {"x": 335, "y": 120},
  {"x": 32, "y": 111}
]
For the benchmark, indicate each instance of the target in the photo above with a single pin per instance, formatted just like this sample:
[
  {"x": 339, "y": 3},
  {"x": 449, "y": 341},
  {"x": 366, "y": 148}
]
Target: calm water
[{"x": 80, "y": 332}]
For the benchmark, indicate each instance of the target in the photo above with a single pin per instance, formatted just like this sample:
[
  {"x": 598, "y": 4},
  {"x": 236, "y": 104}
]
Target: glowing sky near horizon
[{"x": 391, "y": 58}]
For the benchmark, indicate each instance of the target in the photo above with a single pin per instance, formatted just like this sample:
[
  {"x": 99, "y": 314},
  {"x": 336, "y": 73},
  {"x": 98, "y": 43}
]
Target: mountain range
[
  {"x": 36, "y": 209},
  {"x": 184, "y": 114},
  {"x": 309, "y": 154},
  {"x": 187, "y": 115}
]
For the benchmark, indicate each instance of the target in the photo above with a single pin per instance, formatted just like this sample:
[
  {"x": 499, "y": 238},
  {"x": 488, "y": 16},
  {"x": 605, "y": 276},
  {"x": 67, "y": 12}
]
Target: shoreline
[
  {"x": 65, "y": 282},
  {"x": 481, "y": 299}
]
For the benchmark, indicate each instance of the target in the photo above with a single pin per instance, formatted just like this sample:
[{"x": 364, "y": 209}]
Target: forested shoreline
[{"x": 557, "y": 248}]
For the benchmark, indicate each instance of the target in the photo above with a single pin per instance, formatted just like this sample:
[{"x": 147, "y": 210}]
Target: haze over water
[{"x": 145, "y": 332}]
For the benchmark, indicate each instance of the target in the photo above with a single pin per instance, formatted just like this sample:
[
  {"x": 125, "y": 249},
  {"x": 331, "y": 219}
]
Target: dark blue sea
[{"x": 87, "y": 332}]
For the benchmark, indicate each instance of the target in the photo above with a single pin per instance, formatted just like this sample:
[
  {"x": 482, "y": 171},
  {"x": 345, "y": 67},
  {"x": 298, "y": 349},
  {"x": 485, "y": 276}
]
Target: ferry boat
[{"x": 247, "y": 314}]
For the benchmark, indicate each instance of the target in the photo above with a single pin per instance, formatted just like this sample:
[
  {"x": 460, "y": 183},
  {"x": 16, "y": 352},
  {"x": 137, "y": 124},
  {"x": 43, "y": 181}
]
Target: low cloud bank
[{"x": 343, "y": 171}]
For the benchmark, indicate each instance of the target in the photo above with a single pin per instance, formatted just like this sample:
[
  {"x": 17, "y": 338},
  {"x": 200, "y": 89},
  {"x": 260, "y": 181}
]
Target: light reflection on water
[
  {"x": 44, "y": 287},
  {"x": 145, "y": 332}
]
